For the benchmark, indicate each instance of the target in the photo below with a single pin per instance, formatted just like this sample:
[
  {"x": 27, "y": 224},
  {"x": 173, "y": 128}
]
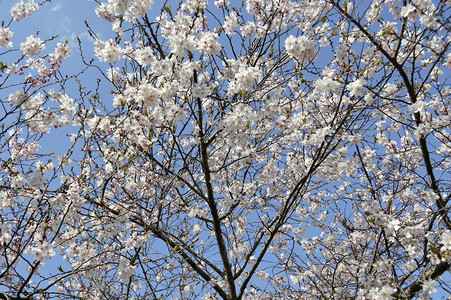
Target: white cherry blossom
[{"x": 32, "y": 46}]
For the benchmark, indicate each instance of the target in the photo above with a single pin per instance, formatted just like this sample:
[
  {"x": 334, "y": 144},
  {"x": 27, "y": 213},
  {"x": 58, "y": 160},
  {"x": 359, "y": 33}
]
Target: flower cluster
[
  {"x": 108, "y": 51},
  {"x": 356, "y": 87},
  {"x": 130, "y": 9},
  {"x": 144, "y": 56},
  {"x": 32, "y": 46},
  {"x": 62, "y": 51},
  {"x": 300, "y": 48},
  {"x": 5, "y": 37},
  {"x": 23, "y": 10},
  {"x": 208, "y": 43}
]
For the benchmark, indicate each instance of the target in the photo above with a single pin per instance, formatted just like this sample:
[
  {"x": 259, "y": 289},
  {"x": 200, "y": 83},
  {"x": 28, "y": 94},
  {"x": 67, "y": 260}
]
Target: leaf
[
  {"x": 168, "y": 9},
  {"x": 433, "y": 249},
  {"x": 3, "y": 66}
]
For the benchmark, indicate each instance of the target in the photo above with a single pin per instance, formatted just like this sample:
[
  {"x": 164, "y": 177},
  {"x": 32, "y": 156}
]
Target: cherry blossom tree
[
  {"x": 260, "y": 149},
  {"x": 33, "y": 102}
]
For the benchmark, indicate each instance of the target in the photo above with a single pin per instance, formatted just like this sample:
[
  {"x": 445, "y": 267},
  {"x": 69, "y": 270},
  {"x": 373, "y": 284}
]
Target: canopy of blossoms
[{"x": 259, "y": 149}]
